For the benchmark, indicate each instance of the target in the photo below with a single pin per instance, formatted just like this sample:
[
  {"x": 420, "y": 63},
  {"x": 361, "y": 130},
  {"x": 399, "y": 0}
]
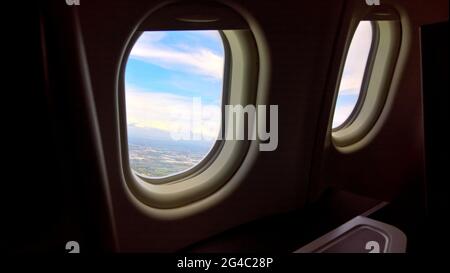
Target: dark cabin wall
[
  {"x": 394, "y": 160},
  {"x": 300, "y": 36}
]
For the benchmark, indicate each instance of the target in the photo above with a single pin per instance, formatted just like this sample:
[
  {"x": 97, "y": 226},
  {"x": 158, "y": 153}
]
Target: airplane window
[
  {"x": 351, "y": 85},
  {"x": 173, "y": 96}
]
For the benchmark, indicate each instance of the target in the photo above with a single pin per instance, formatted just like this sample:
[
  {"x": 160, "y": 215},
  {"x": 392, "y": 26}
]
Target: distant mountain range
[{"x": 162, "y": 139}]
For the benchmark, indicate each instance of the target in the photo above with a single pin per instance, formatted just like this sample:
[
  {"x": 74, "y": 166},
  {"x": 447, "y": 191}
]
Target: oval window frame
[
  {"x": 216, "y": 147},
  {"x": 366, "y": 75},
  {"x": 248, "y": 83},
  {"x": 377, "y": 81}
]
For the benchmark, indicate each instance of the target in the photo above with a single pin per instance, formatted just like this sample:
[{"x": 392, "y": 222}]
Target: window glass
[
  {"x": 173, "y": 95},
  {"x": 353, "y": 74}
]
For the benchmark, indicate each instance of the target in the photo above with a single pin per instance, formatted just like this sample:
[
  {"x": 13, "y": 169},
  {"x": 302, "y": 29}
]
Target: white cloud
[
  {"x": 214, "y": 35},
  {"x": 341, "y": 113},
  {"x": 152, "y": 36},
  {"x": 171, "y": 113},
  {"x": 355, "y": 63},
  {"x": 184, "y": 57}
]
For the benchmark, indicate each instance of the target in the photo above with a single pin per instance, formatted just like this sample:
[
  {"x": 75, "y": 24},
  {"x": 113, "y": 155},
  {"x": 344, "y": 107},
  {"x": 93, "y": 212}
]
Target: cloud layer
[
  {"x": 172, "y": 114},
  {"x": 151, "y": 48},
  {"x": 185, "y": 68},
  {"x": 355, "y": 63},
  {"x": 353, "y": 73}
]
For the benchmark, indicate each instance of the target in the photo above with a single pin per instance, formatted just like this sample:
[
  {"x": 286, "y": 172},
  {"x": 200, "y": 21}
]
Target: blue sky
[
  {"x": 166, "y": 70},
  {"x": 353, "y": 73}
]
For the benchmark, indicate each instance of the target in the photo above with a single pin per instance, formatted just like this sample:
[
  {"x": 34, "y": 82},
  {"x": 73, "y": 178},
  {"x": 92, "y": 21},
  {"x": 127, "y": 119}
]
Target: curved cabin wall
[
  {"x": 301, "y": 46},
  {"x": 394, "y": 158},
  {"x": 304, "y": 43}
]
